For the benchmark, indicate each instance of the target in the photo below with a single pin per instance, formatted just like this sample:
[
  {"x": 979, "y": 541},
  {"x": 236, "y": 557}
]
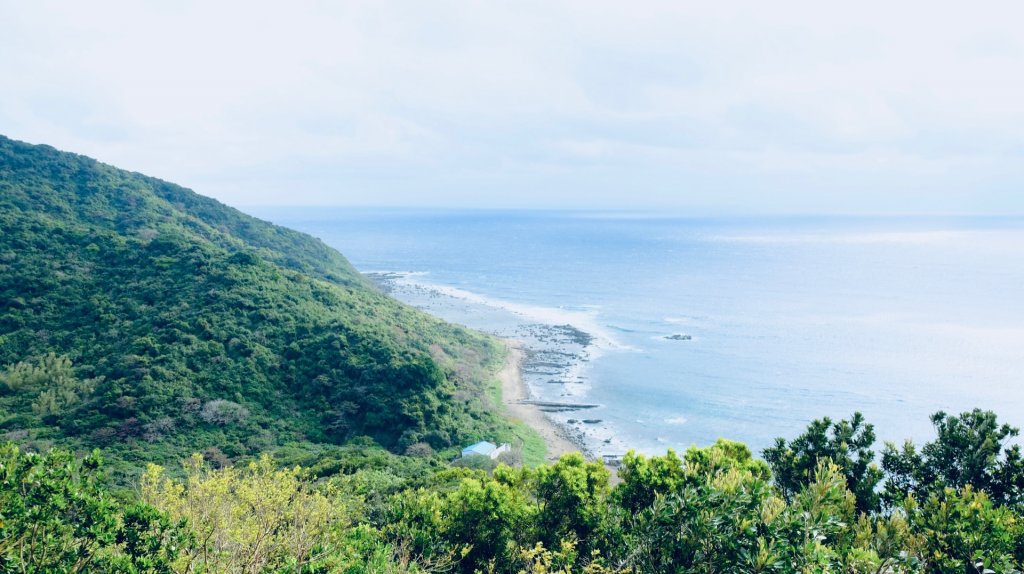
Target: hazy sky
[{"x": 704, "y": 107}]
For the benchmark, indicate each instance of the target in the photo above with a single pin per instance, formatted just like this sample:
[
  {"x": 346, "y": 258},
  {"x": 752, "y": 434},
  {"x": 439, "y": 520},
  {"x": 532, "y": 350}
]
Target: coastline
[
  {"x": 514, "y": 390},
  {"x": 544, "y": 379}
]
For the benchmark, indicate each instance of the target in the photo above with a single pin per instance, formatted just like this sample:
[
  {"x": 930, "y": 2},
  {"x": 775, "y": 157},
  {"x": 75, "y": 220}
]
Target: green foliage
[
  {"x": 149, "y": 321},
  {"x": 572, "y": 503},
  {"x": 563, "y": 560},
  {"x": 50, "y": 380},
  {"x": 726, "y": 454},
  {"x": 645, "y": 479},
  {"x": 49, "y": 370},
  {"x": 723, "y": 517},
  {"x": 483, "y": 520},
  {"x": 961, "y": 528},
  {"x": 256, "y": 519},
  {"x": 885, "y": 543},
  {"x": 55, "y": 516},
  {"x": 845, "y": 443},
  {"x": 62, "y": 393},
  {"x": 970, "y": 450},
  {"x": 715, "y": 510}
]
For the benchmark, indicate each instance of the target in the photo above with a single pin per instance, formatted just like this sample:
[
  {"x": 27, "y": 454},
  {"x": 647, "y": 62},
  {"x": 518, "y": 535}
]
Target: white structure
[
  {"x": 612, "y": 459},
  {"x": 484, "y": 448}
]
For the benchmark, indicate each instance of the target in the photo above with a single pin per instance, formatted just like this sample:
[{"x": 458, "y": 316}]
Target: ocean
[{"x": 677, "y": 331}]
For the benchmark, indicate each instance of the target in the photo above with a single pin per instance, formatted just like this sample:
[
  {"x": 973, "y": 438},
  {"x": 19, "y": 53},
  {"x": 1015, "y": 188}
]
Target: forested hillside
[{"x": 143, "y": 318}]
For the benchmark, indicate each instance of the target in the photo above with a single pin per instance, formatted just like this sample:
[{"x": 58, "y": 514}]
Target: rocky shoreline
[{"x": 552, "y": 359}]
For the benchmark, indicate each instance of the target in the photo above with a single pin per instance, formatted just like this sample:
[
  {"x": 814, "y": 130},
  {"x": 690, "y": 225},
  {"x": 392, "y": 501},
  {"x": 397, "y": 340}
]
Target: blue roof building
[{"x": 484, "y": 448}]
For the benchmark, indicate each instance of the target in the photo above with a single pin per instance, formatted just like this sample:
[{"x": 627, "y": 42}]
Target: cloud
[{"x": 793, "y": 106}]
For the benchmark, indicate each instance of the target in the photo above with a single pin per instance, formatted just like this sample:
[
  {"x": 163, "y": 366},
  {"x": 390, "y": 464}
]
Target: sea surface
[{"x": 678, "y": 331}]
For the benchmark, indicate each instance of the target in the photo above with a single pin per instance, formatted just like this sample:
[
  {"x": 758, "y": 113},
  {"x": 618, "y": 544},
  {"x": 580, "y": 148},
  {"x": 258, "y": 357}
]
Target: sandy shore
[{"x": 514, "y": 390}]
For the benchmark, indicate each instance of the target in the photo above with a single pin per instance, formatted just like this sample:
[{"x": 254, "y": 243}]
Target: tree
[
  {"x": 572, "y": 497},
  {"x": 969, "y": 449},
  {"x": 724, "y": 455},
  {"x": 51, "y": 378},
  {"x": 644, "y": 479},
  {"x": 846, "y": 444},
  {"x": 256, "y": 519},
  {"x": 55, "y": 516},
  {"x": 491, "y": 518},
  {"x": 963, "y": 531}
]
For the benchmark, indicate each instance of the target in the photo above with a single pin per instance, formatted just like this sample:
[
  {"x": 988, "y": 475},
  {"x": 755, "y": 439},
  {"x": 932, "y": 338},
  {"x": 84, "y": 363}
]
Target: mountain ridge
[{"x": 190, "y": 325}]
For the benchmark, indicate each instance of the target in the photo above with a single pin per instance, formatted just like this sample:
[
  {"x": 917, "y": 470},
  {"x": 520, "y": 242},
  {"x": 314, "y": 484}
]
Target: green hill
[{"x": 139, "y": 316}]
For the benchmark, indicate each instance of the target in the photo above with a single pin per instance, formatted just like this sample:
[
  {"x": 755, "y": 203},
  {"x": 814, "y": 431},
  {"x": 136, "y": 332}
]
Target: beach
[
  {"x": 546, "y": 378},
  {"x": 514, "y": 390}
]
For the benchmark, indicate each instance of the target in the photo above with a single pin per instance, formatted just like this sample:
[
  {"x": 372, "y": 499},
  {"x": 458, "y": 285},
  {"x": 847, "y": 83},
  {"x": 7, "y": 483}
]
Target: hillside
[
  {"x": 141, "y": 317},
  {"x": 153, "y": 323}
]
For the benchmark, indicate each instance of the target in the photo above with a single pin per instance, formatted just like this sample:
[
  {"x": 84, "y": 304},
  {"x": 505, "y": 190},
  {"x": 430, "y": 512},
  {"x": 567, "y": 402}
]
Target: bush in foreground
[{"x": 711, "y": 510}]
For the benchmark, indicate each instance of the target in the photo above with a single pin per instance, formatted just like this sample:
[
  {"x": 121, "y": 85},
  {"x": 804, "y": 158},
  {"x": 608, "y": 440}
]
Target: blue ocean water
[{"x": 775, "y": 321}]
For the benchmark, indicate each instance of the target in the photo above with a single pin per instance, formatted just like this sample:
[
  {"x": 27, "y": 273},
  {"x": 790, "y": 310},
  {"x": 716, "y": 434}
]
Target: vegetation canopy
[
  {"x": 149, "y": 321},
  {"x": 270, "y": 411},
  {"x": 712, "y": 510}
]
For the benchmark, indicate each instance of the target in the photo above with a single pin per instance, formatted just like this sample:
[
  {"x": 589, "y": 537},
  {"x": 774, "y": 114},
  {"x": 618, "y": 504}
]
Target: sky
[{"x": 695, "y": 107}]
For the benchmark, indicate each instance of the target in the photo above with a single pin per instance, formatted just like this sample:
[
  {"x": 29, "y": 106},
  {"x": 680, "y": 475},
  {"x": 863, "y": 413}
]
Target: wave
[
  {"x": 563, "y": 344},
  {"x": 391, "y": 273},
  {"x": 686, "y": 320},
  {"x": 584, "y": 321}
]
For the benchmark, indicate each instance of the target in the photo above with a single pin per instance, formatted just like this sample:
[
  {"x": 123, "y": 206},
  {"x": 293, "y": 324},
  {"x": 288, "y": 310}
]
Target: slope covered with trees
[{"x": 138, "y": 316}]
